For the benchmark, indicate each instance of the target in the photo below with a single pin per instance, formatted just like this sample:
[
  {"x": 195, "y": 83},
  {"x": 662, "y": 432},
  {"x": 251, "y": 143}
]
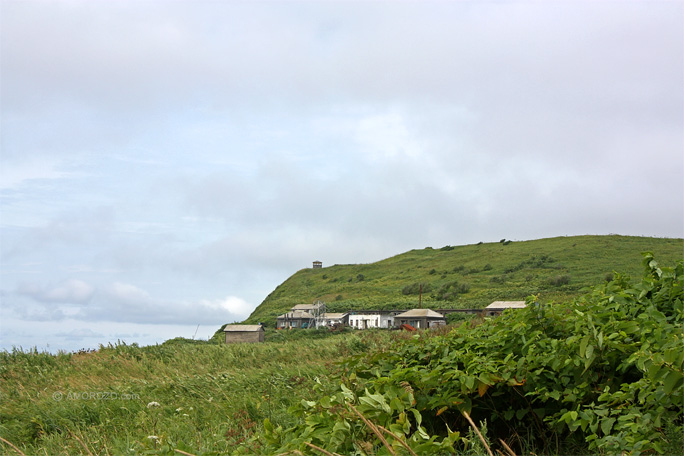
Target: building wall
[
  {"x": 371, "y": 321},
  {"x": 421, "y": 322},
  {"x": 330, "y": 322},
  {"x": 233, "y": 337},
  {"x": 295, "y": 323}
]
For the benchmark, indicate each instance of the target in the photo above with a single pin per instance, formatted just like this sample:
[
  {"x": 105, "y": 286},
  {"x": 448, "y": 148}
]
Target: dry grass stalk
[
  {"x": 81, "y": 442},
  {"x": 479, "y": 434},
  {"x": 399, "y": 439},
  {"x": 375, "y": 430},
  {"x": 508, "y": 449},
  {"x": 13, "y": 447},
  {"x": 325, "y": 452},
  {"x": 182, "y": 452}
]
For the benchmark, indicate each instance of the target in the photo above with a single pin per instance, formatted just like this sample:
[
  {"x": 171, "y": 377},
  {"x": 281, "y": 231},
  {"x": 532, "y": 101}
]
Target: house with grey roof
[
  {"x": 296, "y": 319},
  {"x": 420, "y": 319}
]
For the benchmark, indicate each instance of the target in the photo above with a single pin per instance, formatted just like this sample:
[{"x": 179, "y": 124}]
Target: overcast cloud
[{"x": 167, "y": 164}]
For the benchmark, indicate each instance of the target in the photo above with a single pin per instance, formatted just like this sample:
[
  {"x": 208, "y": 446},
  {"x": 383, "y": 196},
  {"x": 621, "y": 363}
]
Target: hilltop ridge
[{"x": 468, "y": 276}]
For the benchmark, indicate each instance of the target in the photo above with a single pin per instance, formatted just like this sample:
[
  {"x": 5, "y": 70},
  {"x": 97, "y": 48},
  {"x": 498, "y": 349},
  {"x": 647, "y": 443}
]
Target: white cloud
[
  {"x": 80, "y": 334},
  {"x": 172, "y": 163},
  {"x": 72, "y": 291},
  {"x": 230, "y": 305}
]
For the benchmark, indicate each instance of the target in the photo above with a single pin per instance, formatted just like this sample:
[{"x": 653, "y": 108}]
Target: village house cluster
[{"x": 315, "y": 316}]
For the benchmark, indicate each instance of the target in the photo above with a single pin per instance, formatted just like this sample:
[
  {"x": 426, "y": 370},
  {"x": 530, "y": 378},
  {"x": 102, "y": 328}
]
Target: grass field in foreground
[{"x": 202, "y": 398}]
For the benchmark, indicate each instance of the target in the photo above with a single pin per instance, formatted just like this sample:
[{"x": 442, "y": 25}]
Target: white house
[
  {"x": 420, "y": 318},
  {"x": 371, "y": 319}
]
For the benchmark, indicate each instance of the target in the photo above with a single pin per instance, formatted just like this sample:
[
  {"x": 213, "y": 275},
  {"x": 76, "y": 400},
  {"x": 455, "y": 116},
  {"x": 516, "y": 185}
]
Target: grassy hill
[{"x": 469, "y": 276}]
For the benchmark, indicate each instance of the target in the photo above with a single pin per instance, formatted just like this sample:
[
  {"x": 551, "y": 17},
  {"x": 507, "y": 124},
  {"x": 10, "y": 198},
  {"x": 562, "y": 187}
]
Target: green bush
[
  {"x": 602, "y": 374},
  {"x": 560, "y": 280},
  {"x": 415, "y": 288}
]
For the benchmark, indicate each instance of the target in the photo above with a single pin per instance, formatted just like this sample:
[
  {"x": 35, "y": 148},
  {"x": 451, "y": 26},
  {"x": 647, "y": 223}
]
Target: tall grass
[{"x": 199, "y": 398}]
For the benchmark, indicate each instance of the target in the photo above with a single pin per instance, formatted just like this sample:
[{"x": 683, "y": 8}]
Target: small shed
[
  {"x": 420, "y": 318},
  {"x": 244, "y": 333},
  {"x": 317, "y": 264},
  {"x": 497, "y": 307}
]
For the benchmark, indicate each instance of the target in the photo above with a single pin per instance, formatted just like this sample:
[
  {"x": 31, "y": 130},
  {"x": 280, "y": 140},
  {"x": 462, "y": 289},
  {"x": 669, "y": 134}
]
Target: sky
[{"x": 166, "y": 164}]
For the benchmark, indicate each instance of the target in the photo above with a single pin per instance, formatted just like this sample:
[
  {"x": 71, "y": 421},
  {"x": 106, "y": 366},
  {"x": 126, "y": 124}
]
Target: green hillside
[{"x": 469, "y": 276}]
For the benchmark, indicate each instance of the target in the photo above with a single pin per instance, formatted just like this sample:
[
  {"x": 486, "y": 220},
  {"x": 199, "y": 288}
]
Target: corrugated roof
[
  {"x": 306, "y": 306},
  {"x": 420, "y": 313},
  {"x": 507, "y": 305},
  {"x": 296, "y": 314},
  {"x": 335, "y": 315},
  {"x": 243, "y": 328}
]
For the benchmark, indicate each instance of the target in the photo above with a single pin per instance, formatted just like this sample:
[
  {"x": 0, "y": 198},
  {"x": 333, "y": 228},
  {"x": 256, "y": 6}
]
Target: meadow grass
[{"x": 199, "y": 398}]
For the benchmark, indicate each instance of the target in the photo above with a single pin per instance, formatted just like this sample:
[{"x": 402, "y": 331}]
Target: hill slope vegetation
[
  {"x": 470, "y": 276},
  {"x": 603, "y": 374}
]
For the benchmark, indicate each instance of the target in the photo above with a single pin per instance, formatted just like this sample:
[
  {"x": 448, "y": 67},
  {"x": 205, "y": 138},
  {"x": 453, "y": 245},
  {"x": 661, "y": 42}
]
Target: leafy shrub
[
  {"x": 533, "y": 262},
  {"x": 414, "y": 288},
  {"x": 463, "y": 287},
  {"x": 449, "y": 291},
  {"x": 560, "y": 280},
  {"x": 487, "y": 267},
  {"x": 605, "y": 372},
  {"x": 458, "y": 317}
]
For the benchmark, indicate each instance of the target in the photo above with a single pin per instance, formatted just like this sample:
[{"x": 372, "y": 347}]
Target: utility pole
[{"x": 420, "y": 297}]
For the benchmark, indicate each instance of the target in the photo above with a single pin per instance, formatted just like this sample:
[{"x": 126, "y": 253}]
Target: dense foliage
[{"x": 603, "y": 373}]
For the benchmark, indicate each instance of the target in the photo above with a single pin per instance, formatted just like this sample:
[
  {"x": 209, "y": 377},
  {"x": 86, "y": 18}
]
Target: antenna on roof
[{"x": 420, "y": 297}]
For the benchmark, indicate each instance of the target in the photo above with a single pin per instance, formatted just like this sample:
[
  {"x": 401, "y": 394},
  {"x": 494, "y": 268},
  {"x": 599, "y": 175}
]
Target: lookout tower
[{"x": 317, "y": 264}]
